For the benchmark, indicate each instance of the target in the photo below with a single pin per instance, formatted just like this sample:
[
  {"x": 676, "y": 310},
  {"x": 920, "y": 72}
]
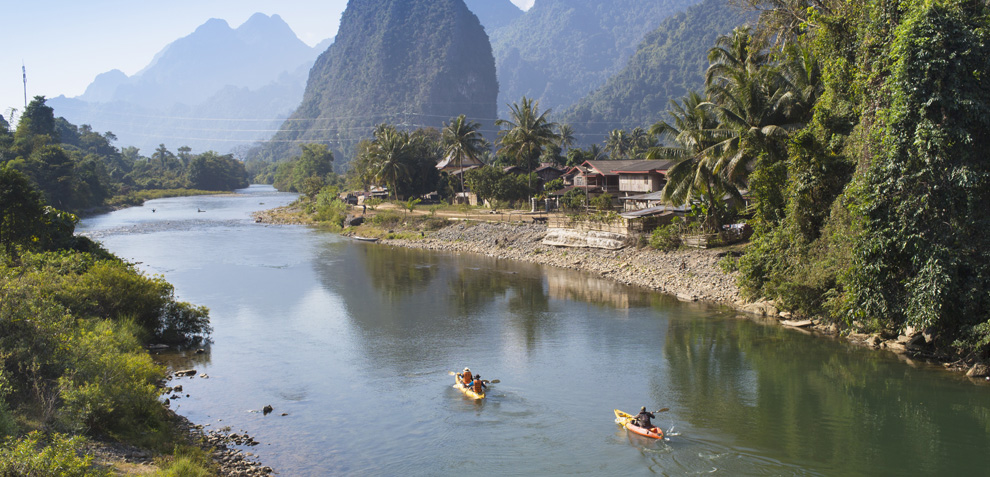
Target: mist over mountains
[
  {"x": 670, "y": 61},
  {"x": 216, "y": 88}
]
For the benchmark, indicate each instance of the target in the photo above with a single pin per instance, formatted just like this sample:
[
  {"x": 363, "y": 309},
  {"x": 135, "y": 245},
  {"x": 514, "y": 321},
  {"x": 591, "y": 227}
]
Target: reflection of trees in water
[
  {"x": 396, "y": 272},
  {"x": 815, "y": 400}
]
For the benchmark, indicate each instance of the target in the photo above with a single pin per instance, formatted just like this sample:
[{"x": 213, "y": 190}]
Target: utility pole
[{"x": 25, "y": 73}]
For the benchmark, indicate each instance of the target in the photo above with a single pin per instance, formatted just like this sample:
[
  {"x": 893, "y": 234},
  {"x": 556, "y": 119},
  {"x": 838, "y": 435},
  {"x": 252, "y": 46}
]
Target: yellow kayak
[
  {"x": 466, "y": 390},
  {"x": 625, "y": 420}
]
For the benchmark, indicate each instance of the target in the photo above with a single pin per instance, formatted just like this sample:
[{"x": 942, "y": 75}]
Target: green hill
[
  {"x": 670, "y": 61},
  {"x": 561, "y": 50}
]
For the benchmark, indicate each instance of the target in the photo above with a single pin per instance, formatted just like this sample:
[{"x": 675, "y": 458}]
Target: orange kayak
[{"x": 626, "y": 420}]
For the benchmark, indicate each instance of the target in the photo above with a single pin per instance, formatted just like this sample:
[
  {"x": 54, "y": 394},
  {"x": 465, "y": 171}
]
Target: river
[{"x": 353, "y": 343}]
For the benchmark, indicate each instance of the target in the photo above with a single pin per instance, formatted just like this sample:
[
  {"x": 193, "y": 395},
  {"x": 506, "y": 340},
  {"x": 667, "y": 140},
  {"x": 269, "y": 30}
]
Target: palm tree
[
  {"x": 461, "y": 139},
  {"x": 565, "y": 136},
  {"x": 527, "y": 132},
  {"x": 389, "y": 156},
  {"x": 617, "y": 144},
  {"x": 696, "y": 134},
  {"x": 750, "y": 98}
]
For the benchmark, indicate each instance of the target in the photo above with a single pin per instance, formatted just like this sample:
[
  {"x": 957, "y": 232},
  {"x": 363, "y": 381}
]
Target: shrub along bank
[{"x": 74, "y": 320}]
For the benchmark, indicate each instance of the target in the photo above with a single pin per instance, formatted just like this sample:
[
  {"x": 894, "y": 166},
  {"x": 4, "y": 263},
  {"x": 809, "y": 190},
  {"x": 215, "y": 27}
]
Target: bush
[
  {"x": 433, "y": 224},
  {"x": 666, "y": 238},
  {"x": 112, "y": 289},
  {"x": 387, "y": 219},
  {"x": 30, "y": 457},
  {"x": 329, "y": 208}
]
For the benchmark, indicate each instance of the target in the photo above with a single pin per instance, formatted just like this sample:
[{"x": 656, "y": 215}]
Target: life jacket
[
  {"x": 466, "y": 378},
  {"x": 478, "y": 386}
]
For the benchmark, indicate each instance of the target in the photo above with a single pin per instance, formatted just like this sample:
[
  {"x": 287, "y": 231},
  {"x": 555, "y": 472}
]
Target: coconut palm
[
  {"x": 748, "y": 96},
  {"x": 460, "y": 140},
  {"x": 695, "y": 135},
  {"x": 526, "y": 133},
  {"x": 617, "y": 144},
  {"x": 565, "y": 136},
  {"x": 389, "y": 155}
]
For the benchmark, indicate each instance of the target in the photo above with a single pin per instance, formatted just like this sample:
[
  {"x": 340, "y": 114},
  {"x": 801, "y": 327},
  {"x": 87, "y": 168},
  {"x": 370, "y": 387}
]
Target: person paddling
[
  {"x": 478, "y": 385},
  {"x": 466, "y": 378},
  {"x": 643, "y": 418}
]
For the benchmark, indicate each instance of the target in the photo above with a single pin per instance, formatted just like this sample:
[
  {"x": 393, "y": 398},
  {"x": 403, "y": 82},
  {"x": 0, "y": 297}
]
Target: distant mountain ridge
[
  {"x": 494, "y": 14},
  {"x": 561, "y": 50},
  {"x": 411, "y": 63},
  {"x": 669, "y": 62},
  {"x": 200, "y": 89}
]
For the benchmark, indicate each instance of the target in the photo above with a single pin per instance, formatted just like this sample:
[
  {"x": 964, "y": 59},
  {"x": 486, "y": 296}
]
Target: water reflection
[{"x": 854, "y": 411}]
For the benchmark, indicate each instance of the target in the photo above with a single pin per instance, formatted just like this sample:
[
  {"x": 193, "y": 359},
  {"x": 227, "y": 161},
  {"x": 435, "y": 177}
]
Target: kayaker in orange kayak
[{"x": 643, "y": 418}]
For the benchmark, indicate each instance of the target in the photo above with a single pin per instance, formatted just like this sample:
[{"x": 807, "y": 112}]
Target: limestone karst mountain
[{"x": 411, "y": 63}]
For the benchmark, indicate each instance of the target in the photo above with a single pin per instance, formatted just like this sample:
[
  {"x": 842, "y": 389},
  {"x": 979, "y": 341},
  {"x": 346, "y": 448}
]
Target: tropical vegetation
[
  {"x": 74, "y": 323},
  {"x": 856, "y": 130}
]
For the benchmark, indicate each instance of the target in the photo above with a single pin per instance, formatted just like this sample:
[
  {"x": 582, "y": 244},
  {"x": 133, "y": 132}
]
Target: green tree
[
  {"x": 462, "y": 140},
  {"x": 389, "y": 156},
  {"x": 526, "y": 133},
  {"x": 695, "y": 132}
]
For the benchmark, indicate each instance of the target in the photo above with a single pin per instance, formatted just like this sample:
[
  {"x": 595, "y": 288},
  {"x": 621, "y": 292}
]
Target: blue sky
[{"x": 66, "y": 43}]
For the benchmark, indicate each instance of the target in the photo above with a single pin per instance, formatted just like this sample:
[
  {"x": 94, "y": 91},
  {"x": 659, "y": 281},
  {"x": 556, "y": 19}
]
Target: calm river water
[{"x": 354, "y": 342}]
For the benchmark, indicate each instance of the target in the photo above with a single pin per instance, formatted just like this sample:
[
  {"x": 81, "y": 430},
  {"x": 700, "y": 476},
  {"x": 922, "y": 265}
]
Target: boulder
[
  {"x": 353, "y": 221},
  {"x": 978, "y": 370},
  {"x": 186, "y": 372},
  {"x": 267, "y": 409}
]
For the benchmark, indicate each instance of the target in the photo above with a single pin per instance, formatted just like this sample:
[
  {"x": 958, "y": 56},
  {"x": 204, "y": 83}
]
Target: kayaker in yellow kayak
[
  {"x": 466, "y": 377},
  {"x": 643, "y": 418}
]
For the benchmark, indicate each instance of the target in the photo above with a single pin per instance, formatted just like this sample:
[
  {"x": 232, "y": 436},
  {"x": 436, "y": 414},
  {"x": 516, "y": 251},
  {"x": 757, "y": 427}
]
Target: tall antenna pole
[{"x": 25, "y": 73}]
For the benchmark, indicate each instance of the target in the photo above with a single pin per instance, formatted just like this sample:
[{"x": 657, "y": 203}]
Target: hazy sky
[{"x": 65, "y": 43}]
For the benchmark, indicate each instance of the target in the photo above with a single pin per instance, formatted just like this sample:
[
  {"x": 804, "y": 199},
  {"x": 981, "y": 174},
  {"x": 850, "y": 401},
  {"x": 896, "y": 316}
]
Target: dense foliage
[
  {"x": 411, "y": 63},
  {"x": 859, "y": 131},
  {"x": 403, "y": 163},
  {"x": 74, "y": 321},
  {"x": 76, "y": 168}
]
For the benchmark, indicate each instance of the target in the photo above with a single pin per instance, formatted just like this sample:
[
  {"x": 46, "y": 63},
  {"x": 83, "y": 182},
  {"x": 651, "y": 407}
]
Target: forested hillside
[
  {"x": 669, "y": 62},
  {"x": 215, "y": 89},
  {"x": 561, "y": 50},
  {"x": 412, "y": 63}
]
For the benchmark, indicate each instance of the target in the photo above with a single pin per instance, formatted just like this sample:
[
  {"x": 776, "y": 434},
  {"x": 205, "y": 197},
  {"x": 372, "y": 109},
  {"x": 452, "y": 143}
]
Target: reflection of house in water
[{"x": 565, "y": 284}]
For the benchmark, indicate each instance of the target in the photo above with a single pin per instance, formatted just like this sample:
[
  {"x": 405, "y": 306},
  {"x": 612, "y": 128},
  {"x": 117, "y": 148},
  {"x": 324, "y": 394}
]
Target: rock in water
[
  {"x": 978, "y": 370},
  {"x": 411, "y": 63},
  {"x": 267, "y": 409}
]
